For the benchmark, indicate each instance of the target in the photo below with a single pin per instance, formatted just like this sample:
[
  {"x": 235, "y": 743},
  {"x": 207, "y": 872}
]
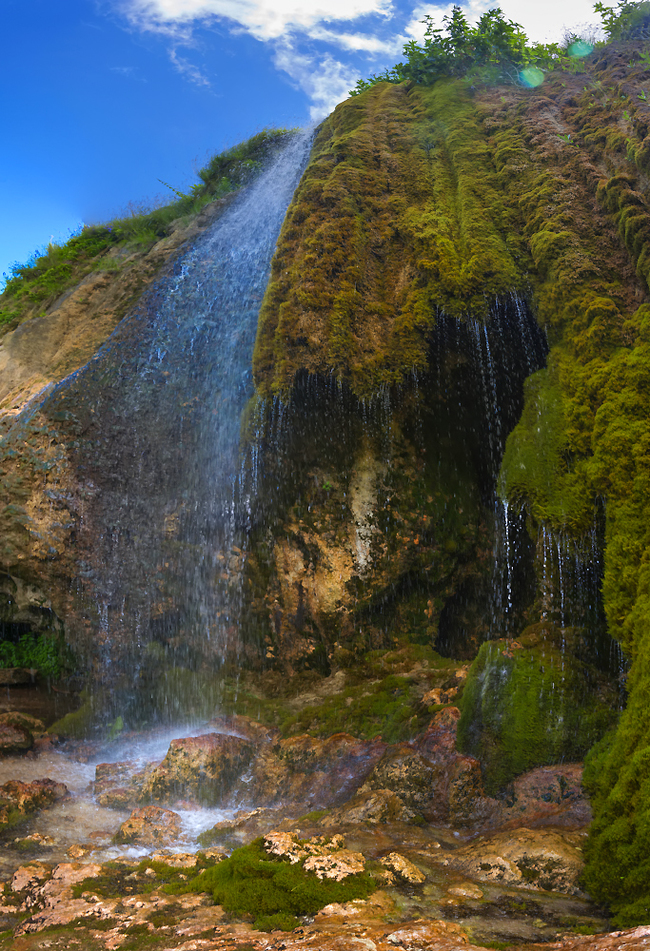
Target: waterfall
[{"x": 157, "y": 419}]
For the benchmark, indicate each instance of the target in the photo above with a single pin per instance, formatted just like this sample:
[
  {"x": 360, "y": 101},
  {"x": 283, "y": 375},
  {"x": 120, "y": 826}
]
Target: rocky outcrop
[{"x": 542, "y": 859}]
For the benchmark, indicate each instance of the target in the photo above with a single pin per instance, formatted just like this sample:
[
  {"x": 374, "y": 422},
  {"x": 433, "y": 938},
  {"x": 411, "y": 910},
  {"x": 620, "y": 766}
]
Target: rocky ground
[{"x": 449, "y": 867}]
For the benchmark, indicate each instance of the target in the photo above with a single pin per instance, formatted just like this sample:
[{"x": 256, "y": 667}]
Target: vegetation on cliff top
[{"x": 48, "y": 273}]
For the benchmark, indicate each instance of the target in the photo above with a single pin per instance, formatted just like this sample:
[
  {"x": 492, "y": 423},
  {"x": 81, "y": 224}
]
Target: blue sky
[{"x": 102, "y": 98}]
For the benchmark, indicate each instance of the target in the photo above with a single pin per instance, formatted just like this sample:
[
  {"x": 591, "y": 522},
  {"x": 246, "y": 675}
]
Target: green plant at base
[{"x": 274, "y": 892}]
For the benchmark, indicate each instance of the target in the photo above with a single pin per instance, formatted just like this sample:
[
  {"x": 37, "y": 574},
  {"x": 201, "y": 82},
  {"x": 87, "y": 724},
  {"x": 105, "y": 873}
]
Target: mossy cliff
[{"x": 425, "y": 206}]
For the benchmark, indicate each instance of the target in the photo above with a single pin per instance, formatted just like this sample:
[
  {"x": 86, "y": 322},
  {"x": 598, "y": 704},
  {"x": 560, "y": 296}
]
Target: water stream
[{"x": 157, "y": 423}]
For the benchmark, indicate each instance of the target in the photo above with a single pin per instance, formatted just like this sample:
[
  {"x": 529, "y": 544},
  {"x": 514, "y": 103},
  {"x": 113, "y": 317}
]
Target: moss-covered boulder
[{"x": 529, "y": 706}]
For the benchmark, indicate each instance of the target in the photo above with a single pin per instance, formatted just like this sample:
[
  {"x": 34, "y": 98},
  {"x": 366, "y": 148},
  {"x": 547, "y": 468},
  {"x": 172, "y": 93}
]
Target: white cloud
[
  {"x": 187, "y": 69},
  {"x": 263, "y": 19},
  {"x": 325, "y": 80},
  {"x": 359, "y": 42}
]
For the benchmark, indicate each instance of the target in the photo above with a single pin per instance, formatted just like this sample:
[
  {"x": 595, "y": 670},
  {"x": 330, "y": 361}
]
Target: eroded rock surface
[{"x": 150, "y": 826}]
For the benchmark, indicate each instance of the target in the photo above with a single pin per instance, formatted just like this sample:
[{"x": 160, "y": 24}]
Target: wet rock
[
  {"x": 14, "y": 739},
  {"x": 19, "y": 800},
  {"x": 373, "y": 807},
  {"x": 403, "y": 869},
  {"x": 244, "y": 826},
  {"x": 198, "y": 768},
  {"x": 431, "y": 778},
  {"x": 467, "y": 803},
  {"x": 150, "y": 825},
  {"x": 467, "y": 890},
  {"x": 526, "y": 858},
  {"x": 549, "y": 795},
  {"x": 438, "y": 742},
  {"x": 245, "y": 727},
  {"x": 34, "y": 842},
  {"x": 309, "y": 771},
  {"x": 119, "y": 785},
  {"x": 14, "y": 718}
]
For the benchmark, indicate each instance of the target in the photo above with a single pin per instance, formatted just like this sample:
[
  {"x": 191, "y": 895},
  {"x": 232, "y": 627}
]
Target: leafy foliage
[
  {"x": 627, "y": 21},
  {"x": 495, "y": 49},
  {"x": 274, "y": 892},
  {"x": 44, "y": 653}
]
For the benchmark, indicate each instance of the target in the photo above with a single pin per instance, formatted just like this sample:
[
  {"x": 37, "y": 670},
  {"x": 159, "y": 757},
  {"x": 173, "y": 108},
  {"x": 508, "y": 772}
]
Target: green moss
[
  {"x": 78, "y": 724},
  {"x": 361, "y": 301},
  {"x": 274, "y": 892},
  {"x": 528, "y": 707}
]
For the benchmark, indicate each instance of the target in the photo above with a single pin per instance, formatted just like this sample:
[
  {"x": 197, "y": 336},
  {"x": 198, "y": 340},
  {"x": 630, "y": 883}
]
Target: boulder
[
  {"x": 14, "y": 739},
  {"x": 198, "y": 768},
  {"x": 119, "y": 785},
  {"x": 150, "y": 826},
  {"x": 373, "y": 807},
  {"x": 309, "y": 771},
  {"x": 525, "y": 858},
  {"x": 402, "y": 869}
]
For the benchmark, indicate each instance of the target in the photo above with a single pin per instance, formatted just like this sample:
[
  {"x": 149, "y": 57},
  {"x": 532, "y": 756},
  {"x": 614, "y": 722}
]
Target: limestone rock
[
  {"x": 403, "y": 869},
  {"x": 198, "y": 768},
  {"x": 24, "y": 721},
  {"x": 119, "y": 785},
  {"x": 150, "y": 826},
  {"x": 288, "y": 845},
  {"x": 526, "y": 859},
  {"x": 377, "y": 806},
  {"x": 14, "y": 739},
  {"x": 337, "y": 865}
]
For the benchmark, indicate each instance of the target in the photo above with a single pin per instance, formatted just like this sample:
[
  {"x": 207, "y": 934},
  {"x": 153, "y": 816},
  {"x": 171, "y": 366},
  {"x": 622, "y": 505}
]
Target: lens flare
[{"x": 531, "y": 76}]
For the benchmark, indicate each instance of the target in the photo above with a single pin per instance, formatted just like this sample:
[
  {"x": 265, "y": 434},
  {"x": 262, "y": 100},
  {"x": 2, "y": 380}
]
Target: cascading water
[{"x": 157, "y": 419}]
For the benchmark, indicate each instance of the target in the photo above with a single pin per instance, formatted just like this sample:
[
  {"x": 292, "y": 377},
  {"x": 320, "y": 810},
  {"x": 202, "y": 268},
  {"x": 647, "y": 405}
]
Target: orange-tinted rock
[
  {"x": 150, "y": 826},
  {"x": 18, "y": 799},
  {"x": 198, "y": 768}
]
